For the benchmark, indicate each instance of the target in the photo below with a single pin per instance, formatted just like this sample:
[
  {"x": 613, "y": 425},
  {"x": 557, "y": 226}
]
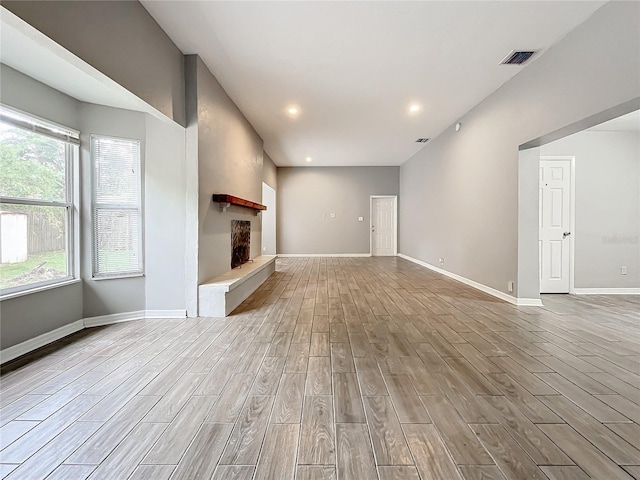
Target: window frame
[
  {"x": 95, "y": 206},
  {"x": 27, "y": 121}
]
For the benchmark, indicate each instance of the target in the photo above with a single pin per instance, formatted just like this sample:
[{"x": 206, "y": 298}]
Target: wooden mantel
[{"x": 227, "y": 200}]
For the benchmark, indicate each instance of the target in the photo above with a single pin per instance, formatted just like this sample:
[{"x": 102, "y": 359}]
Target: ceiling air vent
[
  {"x": 422, "y": 140},
  {"x": 517, "y": 57}
]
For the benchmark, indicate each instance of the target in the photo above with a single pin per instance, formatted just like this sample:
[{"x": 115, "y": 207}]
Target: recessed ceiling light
[
  {"x": 308, "y": 159},
  {"x": 414, "y": 108},
  {"x": 293, "y": 111}
]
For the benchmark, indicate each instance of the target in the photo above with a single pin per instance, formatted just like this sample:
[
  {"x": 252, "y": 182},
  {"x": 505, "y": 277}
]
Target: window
[
  {"x": 117, "y": 207},
  {"x": 37, "y": 211}
]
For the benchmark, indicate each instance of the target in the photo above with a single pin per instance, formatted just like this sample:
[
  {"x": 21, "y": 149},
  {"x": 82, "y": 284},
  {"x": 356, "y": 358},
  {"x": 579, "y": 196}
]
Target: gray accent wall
[
  {"x": 459, "y": 194},
  {"x": 229, "y": 158},
  {"x": 307, "y": 196},
  {"x": 24, "y": 93},
  {"x": 528, "y": 282},
  {"x": 26, "y": 317},
  {"x": 269, "y": 171},
  {"x": 607, "y": 206},
  {"x": 120, "y": 39}
]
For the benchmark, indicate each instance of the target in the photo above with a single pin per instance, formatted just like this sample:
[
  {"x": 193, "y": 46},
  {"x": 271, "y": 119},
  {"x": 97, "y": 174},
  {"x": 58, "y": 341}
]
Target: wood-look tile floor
[{"x": 348, "y": 369}]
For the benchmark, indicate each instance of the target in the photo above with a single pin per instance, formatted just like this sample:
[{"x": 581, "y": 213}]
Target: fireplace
[{"x": 240, "y": 242}]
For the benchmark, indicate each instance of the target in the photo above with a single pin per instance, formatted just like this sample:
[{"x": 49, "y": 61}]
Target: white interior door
[
  {"x": 555, "y": 224},
  {"x": 383, "y": 226}
]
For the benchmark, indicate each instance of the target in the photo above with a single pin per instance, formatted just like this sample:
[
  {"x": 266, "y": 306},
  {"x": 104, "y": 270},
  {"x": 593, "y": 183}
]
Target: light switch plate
[
  {"x": 360, "y": 219},
  {"x": 333, "y": 215}
]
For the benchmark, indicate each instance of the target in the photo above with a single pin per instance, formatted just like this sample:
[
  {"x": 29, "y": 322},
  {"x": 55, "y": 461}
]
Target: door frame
[
  {"x": 572, "y": 215},
  {"x": 395, "y": 222}
]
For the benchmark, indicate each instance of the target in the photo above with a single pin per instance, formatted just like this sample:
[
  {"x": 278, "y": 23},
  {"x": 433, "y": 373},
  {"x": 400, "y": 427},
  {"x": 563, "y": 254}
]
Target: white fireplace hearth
[{"x": 219, "y": 296}]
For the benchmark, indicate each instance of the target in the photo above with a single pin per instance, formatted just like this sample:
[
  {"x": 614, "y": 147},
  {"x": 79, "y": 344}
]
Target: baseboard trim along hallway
[{"x": 521, "y": 302}]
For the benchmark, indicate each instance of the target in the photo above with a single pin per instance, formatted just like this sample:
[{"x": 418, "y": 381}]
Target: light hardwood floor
[{"x": 348, "y": 369}]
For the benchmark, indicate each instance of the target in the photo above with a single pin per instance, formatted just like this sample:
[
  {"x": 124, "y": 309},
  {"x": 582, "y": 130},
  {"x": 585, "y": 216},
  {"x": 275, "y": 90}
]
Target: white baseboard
[
  {"x": 606, "y": 291},
  {"x": 300, "y": 255},
  {"x": 113, "y": 318},
  {"x": 521, "y": 302},
  {"x": 528, "y": 302},
  {"x": 165, "y": 314},
  {"x": 46, "y": 338},
  {"x": 40, "y": 341}
]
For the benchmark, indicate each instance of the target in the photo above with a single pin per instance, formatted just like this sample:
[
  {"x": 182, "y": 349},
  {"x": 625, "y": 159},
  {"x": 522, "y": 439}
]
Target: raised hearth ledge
[{"x": 220, "y": 296}]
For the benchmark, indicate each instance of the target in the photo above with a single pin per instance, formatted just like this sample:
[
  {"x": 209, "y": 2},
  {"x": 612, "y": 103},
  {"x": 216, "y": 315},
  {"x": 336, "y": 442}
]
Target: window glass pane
[
  {"x": 117, "y": 241},
  {"x": 33, "y": 244},
  {"x": 117, "y": 171},
  {"x": 33, "y": 166}
]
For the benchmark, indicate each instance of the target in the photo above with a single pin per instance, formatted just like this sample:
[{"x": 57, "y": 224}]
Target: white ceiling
[
  {"x": 628, "y": 122},
  {"x": 354, "y": 67}
]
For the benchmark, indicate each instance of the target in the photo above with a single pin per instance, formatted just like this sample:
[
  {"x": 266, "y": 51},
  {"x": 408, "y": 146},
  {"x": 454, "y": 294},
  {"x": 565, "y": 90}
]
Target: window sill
[
  {"x": 42, "y": 288},
  {"x": 116, "y": 277}
]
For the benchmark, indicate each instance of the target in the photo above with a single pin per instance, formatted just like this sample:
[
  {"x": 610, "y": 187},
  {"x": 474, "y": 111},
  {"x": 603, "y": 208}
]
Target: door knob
[{"x": 566, "y": 234}]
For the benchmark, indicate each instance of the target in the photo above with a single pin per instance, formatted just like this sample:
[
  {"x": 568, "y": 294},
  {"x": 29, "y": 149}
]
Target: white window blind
[{"x": 117, "y": 207}]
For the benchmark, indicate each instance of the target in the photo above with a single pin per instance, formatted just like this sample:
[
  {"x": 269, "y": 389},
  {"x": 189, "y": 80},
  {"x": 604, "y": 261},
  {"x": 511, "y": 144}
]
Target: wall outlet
[
  {"x": 623, "y": 270},
  {"x": 510, "y": 287},
  {"x": 264, "y": 249},
  {"x": 441, "y": 261},
  {"x": 333, "y": 215},
  {"x": 360, "y": 219}
]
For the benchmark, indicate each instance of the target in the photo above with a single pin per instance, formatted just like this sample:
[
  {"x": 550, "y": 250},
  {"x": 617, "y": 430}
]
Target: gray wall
[
  {"x": 107, "y": 296},
  {"x": 607, "y": 215},
  {"x": 308, "y": 195},
  {"x": 459, "y": 194},
  {"x": 22, "y": 92},
  {"x": 118, "y": 38},
  {"x": 528, "y": 283},
  {"x": 28, "y": 316},
  {"x": 269, "y": 171},
  {"x": 229, "y": 158}
]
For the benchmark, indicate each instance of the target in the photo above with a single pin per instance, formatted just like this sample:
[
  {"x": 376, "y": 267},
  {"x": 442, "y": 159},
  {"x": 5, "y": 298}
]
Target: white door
[
  {"x": 555, "y": 223},
  {"x": 383, "y": 226}
]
